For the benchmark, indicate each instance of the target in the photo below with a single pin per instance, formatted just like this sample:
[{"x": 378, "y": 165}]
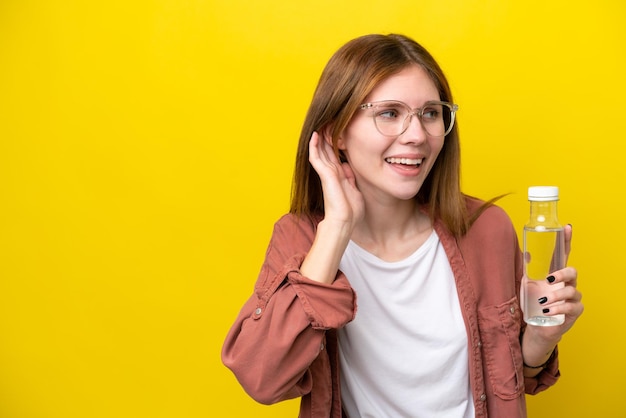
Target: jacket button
[
  {"x": 258, "y": 311},
  {"x": 483, "y": 397},
  {"x": 512, "y": 309}
]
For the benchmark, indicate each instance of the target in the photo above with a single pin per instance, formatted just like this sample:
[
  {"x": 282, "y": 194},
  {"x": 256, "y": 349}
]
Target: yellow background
[{"x": 146, "y": 148}]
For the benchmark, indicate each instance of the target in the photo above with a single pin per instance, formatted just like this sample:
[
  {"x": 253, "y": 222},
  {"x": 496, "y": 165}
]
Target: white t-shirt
[{"x": 405, "y": 353}]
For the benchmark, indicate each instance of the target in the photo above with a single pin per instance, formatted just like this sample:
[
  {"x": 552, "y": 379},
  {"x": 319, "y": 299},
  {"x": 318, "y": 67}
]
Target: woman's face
[{"x": 392, "y": 168}]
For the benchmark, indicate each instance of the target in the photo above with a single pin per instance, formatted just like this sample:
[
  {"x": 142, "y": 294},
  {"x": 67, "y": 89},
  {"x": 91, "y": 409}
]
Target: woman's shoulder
[
  {"x": 292, "y": 236},
  {"x": 491, "y": 230},
  {"x": 487, "y": 214},
  {"x": 475, "y": 204},
  {"x": 293, "y": 220},
  {"x": 291, "y": 225}
]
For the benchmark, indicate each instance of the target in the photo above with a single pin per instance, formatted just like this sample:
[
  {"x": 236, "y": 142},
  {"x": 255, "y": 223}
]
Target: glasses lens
[
  {"x": 390, "y": 117},
  {"x": 436, "y": 119}
]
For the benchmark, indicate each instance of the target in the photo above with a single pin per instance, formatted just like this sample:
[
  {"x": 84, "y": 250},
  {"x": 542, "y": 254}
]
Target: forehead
[{"x": 411, "y": 85}]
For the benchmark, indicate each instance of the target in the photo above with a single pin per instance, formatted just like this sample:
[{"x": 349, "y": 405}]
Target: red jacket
[{"x": 283, "y": 344}]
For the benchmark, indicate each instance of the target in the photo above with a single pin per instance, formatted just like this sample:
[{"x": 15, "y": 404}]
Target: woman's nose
[{"x": 415, "y": 132}]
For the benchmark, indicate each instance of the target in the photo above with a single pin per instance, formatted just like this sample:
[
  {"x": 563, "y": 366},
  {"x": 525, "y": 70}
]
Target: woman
[{"x": 377, "y": 212}]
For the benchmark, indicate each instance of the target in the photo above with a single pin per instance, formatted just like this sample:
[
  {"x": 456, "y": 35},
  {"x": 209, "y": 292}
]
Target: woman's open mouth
[{"x": 411, "y": 162}]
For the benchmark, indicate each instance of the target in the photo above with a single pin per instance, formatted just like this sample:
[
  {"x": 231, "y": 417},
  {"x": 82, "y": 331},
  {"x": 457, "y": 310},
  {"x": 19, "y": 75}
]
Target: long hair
[{"x": 350, "y": 75}]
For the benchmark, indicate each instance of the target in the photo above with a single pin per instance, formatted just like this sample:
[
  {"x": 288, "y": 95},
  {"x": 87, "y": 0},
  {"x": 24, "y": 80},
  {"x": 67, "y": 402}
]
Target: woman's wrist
[
  {"x": 537, "y": 352},
  {"x": 542, "y": 365},
  {"x": 322, "y": 261}
]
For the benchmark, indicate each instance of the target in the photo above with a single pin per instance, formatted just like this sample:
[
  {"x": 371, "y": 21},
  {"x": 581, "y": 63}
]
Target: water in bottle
[{"x": 544, "y": 253}]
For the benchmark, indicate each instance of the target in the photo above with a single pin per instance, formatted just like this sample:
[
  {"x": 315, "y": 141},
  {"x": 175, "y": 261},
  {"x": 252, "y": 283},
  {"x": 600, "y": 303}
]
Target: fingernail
[
  {"x": 542, "y": 300},
  {"x": 551, "y": 279},
  {"x": 570, "y": 225},
  {"x": 546, "y": 310}
]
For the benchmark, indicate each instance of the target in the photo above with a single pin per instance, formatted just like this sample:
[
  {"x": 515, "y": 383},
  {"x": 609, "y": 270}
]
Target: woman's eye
[
  {"x": 430, "y": 114},
  {"x": 388, "y": 114}
]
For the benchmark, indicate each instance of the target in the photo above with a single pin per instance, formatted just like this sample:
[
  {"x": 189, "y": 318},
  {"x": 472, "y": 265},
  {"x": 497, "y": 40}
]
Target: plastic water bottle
[{"x": 544, "y": 253}]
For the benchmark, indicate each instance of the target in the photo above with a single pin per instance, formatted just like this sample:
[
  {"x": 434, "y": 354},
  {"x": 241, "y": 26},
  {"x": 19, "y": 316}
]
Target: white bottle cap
[{"x": 543, "y": 193}]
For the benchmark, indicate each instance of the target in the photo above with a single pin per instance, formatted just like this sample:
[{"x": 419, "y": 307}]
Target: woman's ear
[
  {"x": 327, "y": 134},
  {"x": 341, "y": 147},
  {"x": 341, "y": 144}
]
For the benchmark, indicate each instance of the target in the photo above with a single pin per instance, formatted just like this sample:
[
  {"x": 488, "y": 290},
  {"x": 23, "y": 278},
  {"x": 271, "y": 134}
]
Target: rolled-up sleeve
[{"x": 280, "y": 330}]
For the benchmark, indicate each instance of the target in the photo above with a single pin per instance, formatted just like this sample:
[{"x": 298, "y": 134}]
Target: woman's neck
[{"x": 392, "y": 232}]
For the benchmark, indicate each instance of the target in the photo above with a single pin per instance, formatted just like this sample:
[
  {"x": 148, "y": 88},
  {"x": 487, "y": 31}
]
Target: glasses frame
[{"x": 417, "y": 112}]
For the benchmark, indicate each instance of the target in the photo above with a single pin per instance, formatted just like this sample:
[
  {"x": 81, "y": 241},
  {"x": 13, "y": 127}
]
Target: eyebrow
[{"x": 430, "y": 101}]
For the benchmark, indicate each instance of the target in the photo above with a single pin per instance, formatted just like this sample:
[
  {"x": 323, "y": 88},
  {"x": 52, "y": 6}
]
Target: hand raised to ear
[{"x": 343, "y": 201}]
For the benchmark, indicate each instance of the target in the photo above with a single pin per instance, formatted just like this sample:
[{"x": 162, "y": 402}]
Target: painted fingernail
[
  {"x": 542, "y": 300},
  {"x": 546, "y": 310},
  {"x": 551, "y": 279}
]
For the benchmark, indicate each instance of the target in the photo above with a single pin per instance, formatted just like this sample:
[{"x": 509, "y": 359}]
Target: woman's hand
[
  {"x": 343, "y": 208},
  {"x": 566, "y": 300},
  {"x": 343, "y": 201}
]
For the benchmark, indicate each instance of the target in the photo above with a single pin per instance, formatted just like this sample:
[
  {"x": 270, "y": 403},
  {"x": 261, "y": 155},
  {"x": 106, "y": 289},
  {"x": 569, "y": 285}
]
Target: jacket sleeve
[
  {"x": 546, "y": 378},
  {"x": 280, "y": 330}
]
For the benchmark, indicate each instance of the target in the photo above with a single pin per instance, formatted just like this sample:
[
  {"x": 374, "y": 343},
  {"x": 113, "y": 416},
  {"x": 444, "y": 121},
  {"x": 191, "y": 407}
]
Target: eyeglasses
[{"x": 392, "y": 118}]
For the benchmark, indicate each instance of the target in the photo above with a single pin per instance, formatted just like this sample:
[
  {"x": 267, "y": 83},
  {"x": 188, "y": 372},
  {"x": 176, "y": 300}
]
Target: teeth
[{"x": 406, "y": 161}]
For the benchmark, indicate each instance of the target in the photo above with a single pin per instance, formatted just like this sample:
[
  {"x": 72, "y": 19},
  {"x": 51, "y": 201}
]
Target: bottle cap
[{"x": 543, "y": 193}]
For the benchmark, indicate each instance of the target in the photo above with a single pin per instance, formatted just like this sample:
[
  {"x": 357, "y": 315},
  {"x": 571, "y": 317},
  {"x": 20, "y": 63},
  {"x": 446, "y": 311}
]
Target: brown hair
[{"x": 350, "y": 75}]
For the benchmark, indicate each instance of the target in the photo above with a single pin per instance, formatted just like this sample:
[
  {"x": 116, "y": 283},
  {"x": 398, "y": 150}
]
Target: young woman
[{"x": 377, "y": 214}]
